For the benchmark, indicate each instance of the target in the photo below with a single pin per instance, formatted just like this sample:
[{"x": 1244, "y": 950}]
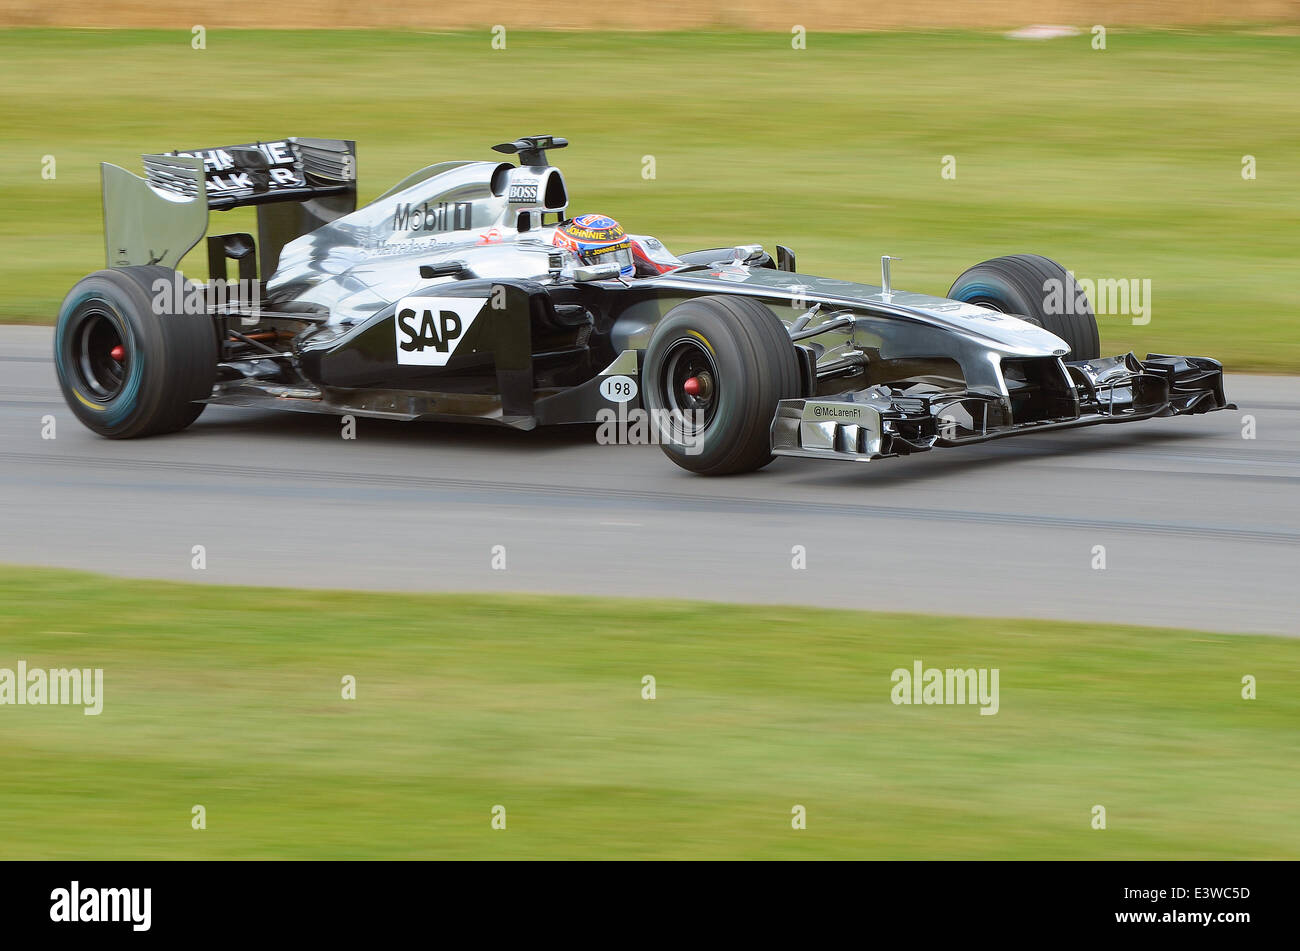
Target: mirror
[{"x": 596, "y": 272}]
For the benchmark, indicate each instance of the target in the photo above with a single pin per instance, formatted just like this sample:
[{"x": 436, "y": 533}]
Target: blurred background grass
[
  {"x": 230, "y": 698},
  {"x": 1123, "y": 163}
]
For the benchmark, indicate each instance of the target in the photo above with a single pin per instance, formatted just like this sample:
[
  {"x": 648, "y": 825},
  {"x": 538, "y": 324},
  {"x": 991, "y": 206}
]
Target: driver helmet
[{"x": 596, "y": 239}]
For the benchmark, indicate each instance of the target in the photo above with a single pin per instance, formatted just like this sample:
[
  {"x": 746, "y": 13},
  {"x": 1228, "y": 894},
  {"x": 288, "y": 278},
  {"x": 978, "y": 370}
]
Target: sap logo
[
  {"x": 429, "y": 329},
  {"x": 428, "y": 335},
  {"x": 526, "y": 193}
]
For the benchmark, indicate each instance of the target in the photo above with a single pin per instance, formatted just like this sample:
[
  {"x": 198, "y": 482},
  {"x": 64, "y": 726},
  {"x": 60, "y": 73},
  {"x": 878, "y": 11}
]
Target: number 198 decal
[{"x": 618, "y": 389}]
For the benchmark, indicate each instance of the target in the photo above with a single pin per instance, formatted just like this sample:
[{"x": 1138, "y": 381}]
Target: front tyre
[
  {"x": 127, "y": 367},
  {"x": 1030, "y": 285},
  {"x": 714, "y": 371}
]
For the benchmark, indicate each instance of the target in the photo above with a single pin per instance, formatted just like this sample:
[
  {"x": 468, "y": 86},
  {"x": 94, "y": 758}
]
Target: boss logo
[
  {"x": 429, "y": 329},
  {"x": 526, "y": 193}
]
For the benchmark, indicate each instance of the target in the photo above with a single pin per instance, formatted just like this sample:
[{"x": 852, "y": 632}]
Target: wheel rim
[
  {"x": 99, "y": 356},
  {"x": 688, "y": 386},
  {"x": 986, "y": 302}
]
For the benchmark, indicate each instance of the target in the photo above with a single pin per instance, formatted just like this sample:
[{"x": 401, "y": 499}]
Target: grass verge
[{"x": 230, "y": 698}]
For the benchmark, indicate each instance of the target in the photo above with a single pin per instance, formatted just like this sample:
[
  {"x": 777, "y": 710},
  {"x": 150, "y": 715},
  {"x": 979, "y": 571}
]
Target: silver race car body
[{"x": 447, "y": 298}]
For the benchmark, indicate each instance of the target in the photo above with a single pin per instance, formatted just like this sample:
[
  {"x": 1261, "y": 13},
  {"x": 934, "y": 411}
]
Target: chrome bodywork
[{"x": 469, "y": 211}]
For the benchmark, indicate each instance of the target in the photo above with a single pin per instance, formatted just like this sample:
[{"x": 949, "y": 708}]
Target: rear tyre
[
  {"x": 126, "y": 369},
  {"x": 1031, "y": 285},
  {"x": 714, "y": 371}
]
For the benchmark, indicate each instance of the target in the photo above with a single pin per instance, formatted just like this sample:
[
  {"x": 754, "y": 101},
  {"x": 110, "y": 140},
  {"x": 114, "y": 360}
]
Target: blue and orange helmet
[{"x": 596, "y": 239}]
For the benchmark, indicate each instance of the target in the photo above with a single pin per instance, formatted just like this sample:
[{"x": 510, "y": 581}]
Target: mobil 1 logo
[{"x": 429, "y": 329}]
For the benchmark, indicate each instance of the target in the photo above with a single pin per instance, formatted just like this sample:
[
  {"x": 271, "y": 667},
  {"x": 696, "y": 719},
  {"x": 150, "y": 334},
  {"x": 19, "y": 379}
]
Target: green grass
[
  {"x": 1123, "y": 163},
  {"x": 230, "y": 698}
]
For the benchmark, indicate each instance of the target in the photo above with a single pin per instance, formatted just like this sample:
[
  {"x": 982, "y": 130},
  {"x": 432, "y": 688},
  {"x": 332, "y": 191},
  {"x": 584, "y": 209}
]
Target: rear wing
[
  {"x": 262, "y": 172},
  {"x": 297, "y": 184}
]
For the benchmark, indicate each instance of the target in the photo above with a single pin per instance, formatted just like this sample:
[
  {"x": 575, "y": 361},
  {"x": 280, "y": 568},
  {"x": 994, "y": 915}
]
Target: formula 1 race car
[{"x": 467, "y": 293}]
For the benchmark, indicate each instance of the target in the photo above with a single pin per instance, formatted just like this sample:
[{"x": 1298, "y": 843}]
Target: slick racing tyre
[
  {"x": 1030, "y": 285},
  {"x": 125, "y": 369},
  {"x": 714, "y": 371}
]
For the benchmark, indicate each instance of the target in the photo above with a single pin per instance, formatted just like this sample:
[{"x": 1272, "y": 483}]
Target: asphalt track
[{"x": 1201, "y": 527}]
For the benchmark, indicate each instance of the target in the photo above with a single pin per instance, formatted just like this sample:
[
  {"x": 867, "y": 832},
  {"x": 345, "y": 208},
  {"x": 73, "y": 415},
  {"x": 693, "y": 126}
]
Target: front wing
[{"x": 884, "y": 421}]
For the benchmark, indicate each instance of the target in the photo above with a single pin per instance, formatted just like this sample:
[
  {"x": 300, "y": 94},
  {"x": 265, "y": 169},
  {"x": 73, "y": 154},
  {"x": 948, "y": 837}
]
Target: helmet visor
[{"x": 619, "y": 253}]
